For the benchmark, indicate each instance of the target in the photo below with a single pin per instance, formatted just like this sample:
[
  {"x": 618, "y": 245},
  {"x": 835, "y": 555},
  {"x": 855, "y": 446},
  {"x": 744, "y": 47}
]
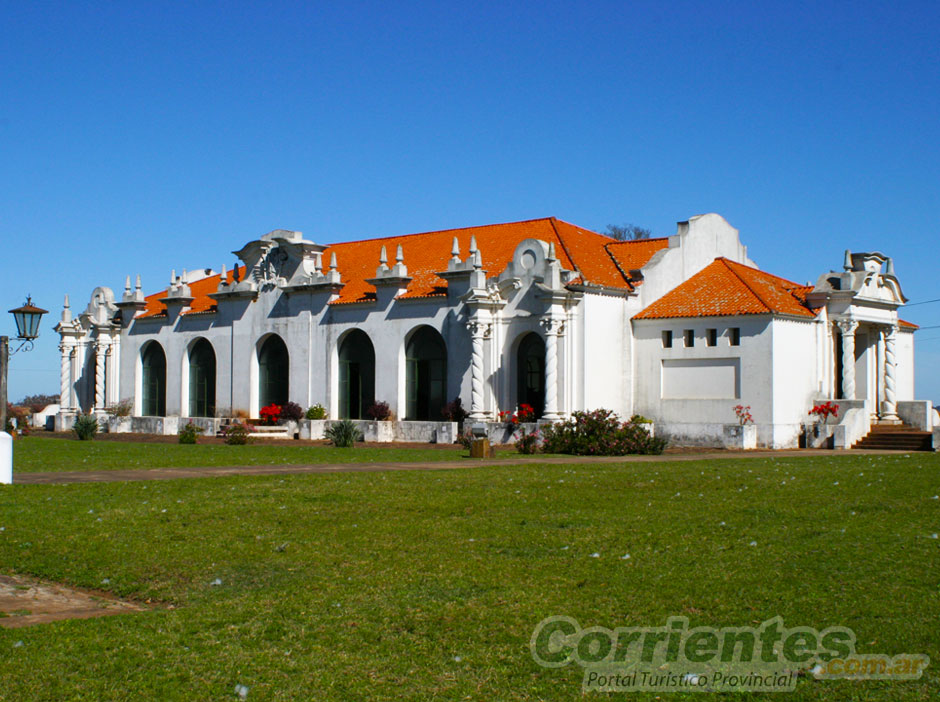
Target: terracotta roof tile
[
  {"x": 725, "y": 288},
  {"x": 907, "y": 325},
  {"x": 633, "y": 255},
  {"x": 426, "y": 254}
]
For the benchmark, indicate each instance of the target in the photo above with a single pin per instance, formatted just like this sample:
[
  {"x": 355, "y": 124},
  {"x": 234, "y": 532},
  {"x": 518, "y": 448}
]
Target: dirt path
[
  {"x": 26, "y": 601},
  {"x": 109, "y": 476}
]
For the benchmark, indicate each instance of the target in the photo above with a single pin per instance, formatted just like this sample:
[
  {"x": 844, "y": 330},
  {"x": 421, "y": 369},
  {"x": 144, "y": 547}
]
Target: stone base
[
  {"x": 480, "y": 448},
  {"x": 739, "y": 436}
]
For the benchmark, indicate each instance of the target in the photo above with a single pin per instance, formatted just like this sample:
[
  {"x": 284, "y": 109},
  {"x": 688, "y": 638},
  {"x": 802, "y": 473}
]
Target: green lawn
[
  {"x": 34, "y": 454},
  {"x": 386, "y": 586}
]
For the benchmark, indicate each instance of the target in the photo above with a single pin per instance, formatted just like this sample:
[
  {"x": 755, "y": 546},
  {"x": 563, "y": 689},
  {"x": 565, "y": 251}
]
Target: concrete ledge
[
  {"x": 918, "y": 413},
  {"x": 386, "y": 432}
]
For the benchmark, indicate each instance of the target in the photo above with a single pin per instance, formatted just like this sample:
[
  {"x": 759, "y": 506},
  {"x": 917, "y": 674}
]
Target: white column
[
  {"x": 65, "y": 378},
  {"x": 890, "y": 404},
  {"x": 848, "y": 327},
  {"x": 101, "y": 350},
  {"x": 552, "y": 327},
  {"x": 478, "y": 332}
]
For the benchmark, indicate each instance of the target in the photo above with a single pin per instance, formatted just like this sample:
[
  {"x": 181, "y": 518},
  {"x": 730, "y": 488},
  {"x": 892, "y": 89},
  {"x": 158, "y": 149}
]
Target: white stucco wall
[
  {"x": 795, "y": 379},
  {"x": 607, "y": 353}
]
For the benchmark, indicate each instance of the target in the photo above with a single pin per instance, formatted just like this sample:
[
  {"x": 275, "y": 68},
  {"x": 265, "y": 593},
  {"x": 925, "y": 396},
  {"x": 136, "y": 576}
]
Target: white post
[
  {"x": 890, "y": 406},
  {"x": 65, "y": 380},
  {"x": 100, "y": 350},
  {"x": 6, "y": 458},
  {"x": 848, "y": 327}
]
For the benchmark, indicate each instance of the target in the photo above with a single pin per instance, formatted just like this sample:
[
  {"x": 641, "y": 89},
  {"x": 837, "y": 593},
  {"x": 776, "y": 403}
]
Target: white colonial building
[{"x": 679, "y": 329}]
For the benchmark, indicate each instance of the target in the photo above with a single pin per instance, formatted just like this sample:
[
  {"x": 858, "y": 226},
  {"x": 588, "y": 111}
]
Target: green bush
[
  {"x": 189, "y": 433},
  {"x": 599, "y": 433},
  {"x": 236, "y": 434},
  {"x": 527, "y": 441},
  {"x": 291, "y": 412},
  {"x": 344, "y": 434},
  {"x": 316, "y": 412},
  {"x": 85, "y": 427}
]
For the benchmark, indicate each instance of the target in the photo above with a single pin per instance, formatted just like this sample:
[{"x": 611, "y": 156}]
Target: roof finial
[
  {"x": 477, "y": 259},
  {"x": 383, "y": 256},
  {"x": 184, "y": 276},
  {"x": 137, "y": 283},
  {"x": 473, "y": 244},
  {"x": 399, "y": 255},
  {"x": 847, "y": 263},
  {"x": 66, "y": 312},
  {"x": 224, "y": 275},
  {"x": 173, "y": 277},
  {"x": 551, "y": 252},
  {"x": 127, "y": 285},
  {"x": 333, "y": 261},
  {"x": 455, "y": 250},
  {"x": 889, "y": 266},
  {"x": 66, "y": 301}
]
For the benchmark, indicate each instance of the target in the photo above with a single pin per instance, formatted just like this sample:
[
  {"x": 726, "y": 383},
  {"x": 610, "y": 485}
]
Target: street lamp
[{"x": 27, "y": 329}]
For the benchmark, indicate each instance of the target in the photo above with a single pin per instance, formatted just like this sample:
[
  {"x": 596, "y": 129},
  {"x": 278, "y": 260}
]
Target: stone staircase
[{"x": 896, "y": 437}]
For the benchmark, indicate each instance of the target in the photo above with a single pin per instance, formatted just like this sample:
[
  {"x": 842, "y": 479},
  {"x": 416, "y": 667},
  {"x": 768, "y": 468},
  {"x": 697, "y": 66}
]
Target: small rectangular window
[
  {"x": 667, "y": 339},
  {"x": 734, "y": 336},
  {"x": 689, "y": 337},
  {"x": 711, "y": 335}
]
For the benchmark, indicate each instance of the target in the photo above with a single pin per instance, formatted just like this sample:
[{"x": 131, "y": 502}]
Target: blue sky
[{"x": 140, "y": 138}]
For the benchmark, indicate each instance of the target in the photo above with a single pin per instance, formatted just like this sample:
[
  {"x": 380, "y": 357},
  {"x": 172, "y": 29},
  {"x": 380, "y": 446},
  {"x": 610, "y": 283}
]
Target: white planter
[
  {"x": 739, "y": 436},
  {"x": 819, "y": 436}
]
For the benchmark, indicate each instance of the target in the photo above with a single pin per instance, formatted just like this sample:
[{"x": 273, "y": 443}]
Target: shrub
[
  {"x": 344, "y": 434},
  {"x": 21, "y": 415},
  {"x": 640, "y": 419},
  {"x": 454, "y": 412},
  {"x": 124, "y": 408},
  {"x": 189, "y": 433},
  {"x": 599, "y": 433},
  {"x": 318, "y": 411},
  {"x": 379, "y": 411},
  {"x": 465, "y": 439},
  {"x": 292, "y": 412},
  {"x": 527, "y": 442},
  {"x": 85, "y": 427},
  {"x": 236, "y": 434},
  {"x": 270, "y": 414}
]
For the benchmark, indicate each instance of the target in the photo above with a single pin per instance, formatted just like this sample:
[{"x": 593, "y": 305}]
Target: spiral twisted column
[
  {"x": 848, "y": 327},
  {"x": 889, "y": 411},
  {"x": 552, "y": 327},
  {"x": 101, "y": 351},
  {"x": 65, "y": 377},
  {"x": 478, "y": 332}
]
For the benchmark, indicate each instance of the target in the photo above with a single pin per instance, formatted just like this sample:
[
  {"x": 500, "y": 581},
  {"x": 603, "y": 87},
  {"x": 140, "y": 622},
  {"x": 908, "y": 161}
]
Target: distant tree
[
  {"x": 627, "y": 232},
  {"x": 37, "y": 403}
]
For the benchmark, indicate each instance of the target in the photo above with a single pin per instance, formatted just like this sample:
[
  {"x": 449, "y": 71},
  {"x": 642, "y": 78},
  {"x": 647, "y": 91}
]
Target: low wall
[
  {"x": 918, "y": 413},
  {"x": 387, "y": 432},
  {"x": 854, "y": 423}
]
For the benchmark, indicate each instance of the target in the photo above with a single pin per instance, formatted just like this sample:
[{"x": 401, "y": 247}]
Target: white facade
[{"x": 588, "y": 350}]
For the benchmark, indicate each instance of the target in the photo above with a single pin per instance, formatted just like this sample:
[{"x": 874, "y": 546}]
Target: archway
[
  {"x": 425, "y": 375},
  {"x": 201, "y": 379},
  {"x": 530, "y": 373},
  {"x": 153, "y": 381},
  {"x": 273, "y": 372},
  {"x": 356, "y": 375}
]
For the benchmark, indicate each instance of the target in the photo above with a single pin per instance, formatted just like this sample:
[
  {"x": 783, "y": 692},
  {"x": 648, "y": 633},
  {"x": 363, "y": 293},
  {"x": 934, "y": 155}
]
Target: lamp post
[{"x": 27, "y": 329}]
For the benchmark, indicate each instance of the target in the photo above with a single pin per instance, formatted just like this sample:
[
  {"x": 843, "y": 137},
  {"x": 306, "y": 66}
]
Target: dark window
[
  {"x": 202, "y": 380},
  {"x": 689, "y": 335},
  {"x": 154, "y": 381},
  {"x": 356, "y": 375},
  {"x": 425, "y": 375},
  {"x": 667, "y": 339},
  {"x": 530, "y": 366},
  {"x": 274, "y": 367},
  {"x": 711, "y": 335},
  {"x": 734, "y": 336}
]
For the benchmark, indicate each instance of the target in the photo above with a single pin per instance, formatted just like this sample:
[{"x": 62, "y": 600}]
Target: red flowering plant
[
  {"x": 270, "y": 414},
  {"x": 743, "y": 413},
  {"x": 525, "y": 413},
  {"x": 823, "y": 411}
]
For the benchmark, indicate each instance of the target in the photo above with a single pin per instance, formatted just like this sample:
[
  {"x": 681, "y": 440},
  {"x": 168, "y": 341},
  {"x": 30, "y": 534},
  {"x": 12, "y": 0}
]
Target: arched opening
[
  {"x": 273, "y": 372},
  {"x": 356, "y": 375},
  {"x": 201, "y": 380},
  {"x": 425, "y": 375},
  {"x": 153, "y": 381},
  {"x": 530, "y": 373}
]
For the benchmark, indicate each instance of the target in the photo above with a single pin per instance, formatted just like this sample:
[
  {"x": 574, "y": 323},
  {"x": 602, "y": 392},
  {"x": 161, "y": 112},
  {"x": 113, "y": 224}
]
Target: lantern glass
[{"x": 27, "y": 320}]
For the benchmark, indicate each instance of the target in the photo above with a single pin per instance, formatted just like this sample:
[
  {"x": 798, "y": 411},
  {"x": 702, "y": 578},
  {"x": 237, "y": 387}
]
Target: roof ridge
[
  {"x": 637, "y": 241},
  {"x": 439, "y": 231},
  {"x": 744, "y": 282},
  {"x": 762, "y": 272},
  {"x": 552, "y": 221}
]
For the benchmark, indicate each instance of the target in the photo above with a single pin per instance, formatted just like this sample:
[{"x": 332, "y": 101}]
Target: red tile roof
[
  {"x": 595, "y": 257},
  {"x": 725, "y": 288},
  {"x": 907, "y": 325}
]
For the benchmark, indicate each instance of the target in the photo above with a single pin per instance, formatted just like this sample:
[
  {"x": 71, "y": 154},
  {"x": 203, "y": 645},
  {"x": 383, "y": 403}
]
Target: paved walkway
[{"x": 109, "y": 476}]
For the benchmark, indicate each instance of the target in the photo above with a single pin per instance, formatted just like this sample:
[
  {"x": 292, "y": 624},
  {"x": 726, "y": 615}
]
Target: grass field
[
  {"x": 34, "y": 455},
  {"x": 381, "y": 586}
]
